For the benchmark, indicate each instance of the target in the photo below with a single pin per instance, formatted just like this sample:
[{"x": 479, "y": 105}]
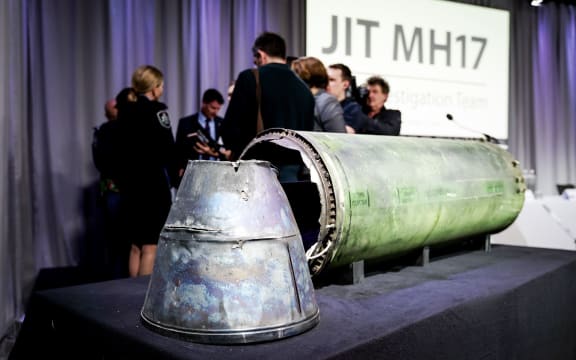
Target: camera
[
  {"x": 362, "y": 95},
  {"x": 358, "y": 93}
]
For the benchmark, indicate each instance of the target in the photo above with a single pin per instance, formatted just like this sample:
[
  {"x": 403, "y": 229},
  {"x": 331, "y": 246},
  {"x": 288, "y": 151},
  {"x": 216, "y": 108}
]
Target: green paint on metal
[
  {"x": 406, "y": 194},
  {"x": 394, "y": 194}
]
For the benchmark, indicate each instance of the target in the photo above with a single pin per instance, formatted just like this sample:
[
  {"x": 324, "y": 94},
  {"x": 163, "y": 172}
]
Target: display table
[{"x": 510, "y": 303}]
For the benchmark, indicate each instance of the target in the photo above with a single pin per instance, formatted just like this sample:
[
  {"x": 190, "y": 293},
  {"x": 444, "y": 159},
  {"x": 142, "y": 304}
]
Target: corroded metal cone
[{"x": 230, "y": 265}]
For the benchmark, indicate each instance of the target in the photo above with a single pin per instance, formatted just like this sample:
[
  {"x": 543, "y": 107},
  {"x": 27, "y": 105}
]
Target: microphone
[{"x": 486, "y": 136}]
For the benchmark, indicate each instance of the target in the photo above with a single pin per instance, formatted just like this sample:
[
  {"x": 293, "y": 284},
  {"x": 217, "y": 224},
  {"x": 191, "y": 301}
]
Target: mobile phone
[{"x": 201, "y": 137}]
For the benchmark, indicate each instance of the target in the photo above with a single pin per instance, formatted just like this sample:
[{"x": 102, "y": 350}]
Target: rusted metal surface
[{"x": 230, "y": 265}]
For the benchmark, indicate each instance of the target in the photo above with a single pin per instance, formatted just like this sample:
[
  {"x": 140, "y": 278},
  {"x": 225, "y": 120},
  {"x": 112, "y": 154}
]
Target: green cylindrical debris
[{"x": 374, "y": 196}]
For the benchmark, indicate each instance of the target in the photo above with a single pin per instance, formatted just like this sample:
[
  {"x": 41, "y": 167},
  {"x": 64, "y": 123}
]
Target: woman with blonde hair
[
  {"x": 149, "y": 169},
  {"x": 328, "y": 113}
]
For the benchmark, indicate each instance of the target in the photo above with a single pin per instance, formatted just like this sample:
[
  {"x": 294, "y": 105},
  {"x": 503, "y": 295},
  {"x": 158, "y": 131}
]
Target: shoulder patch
[{"x": 163, "y": 118}]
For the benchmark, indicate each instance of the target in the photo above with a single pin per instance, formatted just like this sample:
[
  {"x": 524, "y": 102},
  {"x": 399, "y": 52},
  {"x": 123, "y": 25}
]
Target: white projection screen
[{"x": 439, "y": 57}]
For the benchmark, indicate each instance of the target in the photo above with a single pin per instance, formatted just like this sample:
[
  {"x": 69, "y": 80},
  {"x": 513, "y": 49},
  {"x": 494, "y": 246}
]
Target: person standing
[
  {"x": 285, "y": 101},
  {"x": 148, "y": 167},
  {"x": 389, "y": 121},
  {"x": 328, "y": 114},
  {"x": 105, "y": 151},
  {"x": 341, "y": 86},
  {"x": 207, "y": 146}
]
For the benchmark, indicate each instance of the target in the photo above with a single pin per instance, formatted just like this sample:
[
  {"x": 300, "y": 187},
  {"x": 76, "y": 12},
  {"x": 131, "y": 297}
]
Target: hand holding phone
[
  {"x": 199, "y": 136},
  {"x": 205, "y": 149}
]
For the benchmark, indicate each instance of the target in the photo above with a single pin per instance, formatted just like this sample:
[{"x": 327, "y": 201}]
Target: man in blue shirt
[{"x": 198, "y": 135}]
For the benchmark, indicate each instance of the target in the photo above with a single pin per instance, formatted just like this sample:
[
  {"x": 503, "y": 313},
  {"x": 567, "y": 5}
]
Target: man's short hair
[
  {"x": 212, "y": 95},
  {"x": 344, "y": 70},
  {"x": 377, "y": 80},
  {"x": 270, "y": 43}
]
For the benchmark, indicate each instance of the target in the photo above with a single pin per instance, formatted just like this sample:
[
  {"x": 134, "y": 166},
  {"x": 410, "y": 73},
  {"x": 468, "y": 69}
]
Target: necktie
[
  {"x": 208, "y": 135},
  {"x": 207, "y": 128}
]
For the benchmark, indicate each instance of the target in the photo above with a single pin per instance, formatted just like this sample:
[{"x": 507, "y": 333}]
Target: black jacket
[
  {"x": 148, "y": 168},
  {"x": 148, "y": 144},
  {"x": 286, "y": 103},
  {"x": 185, "y": 144},
  {"x": 386, "y": 122}
]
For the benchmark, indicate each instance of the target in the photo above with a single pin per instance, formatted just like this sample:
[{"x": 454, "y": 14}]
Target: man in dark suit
[
  {"x": 198, "y": 135},
  {"x": 285, "y": 102},
  {"x": 386, "y": 121}
]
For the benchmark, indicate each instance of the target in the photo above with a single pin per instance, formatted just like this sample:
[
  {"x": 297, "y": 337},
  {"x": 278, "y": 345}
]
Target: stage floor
[{"x": 510, "y": 303}]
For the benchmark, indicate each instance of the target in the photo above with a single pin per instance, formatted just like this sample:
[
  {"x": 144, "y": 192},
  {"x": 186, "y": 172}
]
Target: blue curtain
[
  {"x": 65, "y": 58},
  {"x": 554, "y": 93}
]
